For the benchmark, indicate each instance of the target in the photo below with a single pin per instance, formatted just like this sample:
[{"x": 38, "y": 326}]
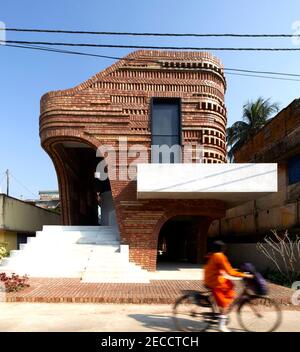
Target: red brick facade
[
  {"x": 276, "y": 141},
  {"x": 116, "y": 103}
]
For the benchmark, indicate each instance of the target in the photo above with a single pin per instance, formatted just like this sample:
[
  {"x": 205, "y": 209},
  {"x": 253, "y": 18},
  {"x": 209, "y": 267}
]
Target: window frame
[{"x": 167, "y": 100}]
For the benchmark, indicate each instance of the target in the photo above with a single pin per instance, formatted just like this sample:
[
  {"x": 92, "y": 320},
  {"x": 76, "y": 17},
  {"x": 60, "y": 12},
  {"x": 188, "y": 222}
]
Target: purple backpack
[{"x": 258, "y": 284}]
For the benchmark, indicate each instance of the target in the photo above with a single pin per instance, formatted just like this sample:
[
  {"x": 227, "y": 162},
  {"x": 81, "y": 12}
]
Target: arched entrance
[
  {"x": 85, "y": 199},
  {"x": 182, "y": 239}
]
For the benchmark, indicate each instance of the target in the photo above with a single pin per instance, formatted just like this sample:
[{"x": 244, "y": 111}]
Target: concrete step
[
  {"x": 45, "y": 266},
  {"x": 73, "y": 236},
  {"x": 114, "y": 278},
  {"x": 42, "y": 273},
  {"x": 101, "y": 248},
  {"x": 75, "y": 239},
  {"x": 54, "y": 228},
  {"x": 4, "y": 262},
  {"x": 52, "y": 242},
  {"x": 109, "y": 230},
  {"x": 93, "y": 253},
  {"x": 121, "y": 273},
  {"x": 22, "y": 246}
]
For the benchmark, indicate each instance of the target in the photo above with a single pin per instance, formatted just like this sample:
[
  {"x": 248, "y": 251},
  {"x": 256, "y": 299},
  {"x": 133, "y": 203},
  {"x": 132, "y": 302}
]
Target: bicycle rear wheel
[
  {"x": 259, "y": 314},
  {"x": 193, "y": 312}
]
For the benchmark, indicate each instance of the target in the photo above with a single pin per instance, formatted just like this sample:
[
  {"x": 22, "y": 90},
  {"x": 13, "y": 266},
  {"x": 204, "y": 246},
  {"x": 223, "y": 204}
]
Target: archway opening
[
  {"x": 86, "y": 200},
  {"x": 182, "y": 240}
]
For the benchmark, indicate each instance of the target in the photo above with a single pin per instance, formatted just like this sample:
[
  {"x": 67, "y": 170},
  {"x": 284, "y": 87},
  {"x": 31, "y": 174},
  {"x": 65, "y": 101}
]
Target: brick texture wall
[
  {"x": 116, "y": 103},
  {"x": 276, "y": 140}
]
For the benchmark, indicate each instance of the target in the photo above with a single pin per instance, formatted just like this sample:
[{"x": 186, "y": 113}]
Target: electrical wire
[
  {"x": 22, "y": 185},
  {"x": 260, "y": 76},
  {"x": 35, "y": 47},
  {"x": 119, "y": 46},
  {"x": 266, "y": 72},
  {"x": 145, "y": 34}
]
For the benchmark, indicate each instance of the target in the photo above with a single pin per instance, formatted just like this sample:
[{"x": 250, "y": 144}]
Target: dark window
[
  {"x": 166, "y": 129},
  {"x": 294, "y": 169}
]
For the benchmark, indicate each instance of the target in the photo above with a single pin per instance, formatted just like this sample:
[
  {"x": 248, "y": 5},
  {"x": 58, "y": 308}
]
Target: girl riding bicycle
[{"x": 222, "y": 288}]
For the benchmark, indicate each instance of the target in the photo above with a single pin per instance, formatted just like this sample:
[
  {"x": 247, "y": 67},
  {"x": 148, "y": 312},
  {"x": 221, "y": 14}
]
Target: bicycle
[{"x": 197, "y": 311}]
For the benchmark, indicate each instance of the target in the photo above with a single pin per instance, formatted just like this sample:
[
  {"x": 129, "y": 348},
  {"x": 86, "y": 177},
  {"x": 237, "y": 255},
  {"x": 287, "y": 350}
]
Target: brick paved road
[{"x": 158, "y": 292}]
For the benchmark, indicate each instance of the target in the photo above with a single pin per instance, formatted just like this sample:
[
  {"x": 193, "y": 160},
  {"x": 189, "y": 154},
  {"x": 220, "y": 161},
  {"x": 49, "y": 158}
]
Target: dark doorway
[
  {"x": 84, "y": 191},
  {"x": 180, "y": 241}
]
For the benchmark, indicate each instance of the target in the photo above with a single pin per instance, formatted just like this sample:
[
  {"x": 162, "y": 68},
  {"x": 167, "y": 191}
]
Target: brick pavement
[{"x": 49, "y": 290}]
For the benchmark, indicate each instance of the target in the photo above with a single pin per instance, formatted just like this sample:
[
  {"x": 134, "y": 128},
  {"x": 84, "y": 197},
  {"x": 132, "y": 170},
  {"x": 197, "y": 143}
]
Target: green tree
[{"x": 255, "y": 116}]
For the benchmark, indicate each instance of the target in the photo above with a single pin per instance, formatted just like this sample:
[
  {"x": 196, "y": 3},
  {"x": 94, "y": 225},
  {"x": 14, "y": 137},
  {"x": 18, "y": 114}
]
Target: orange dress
[{"x": 222, "y": 288}]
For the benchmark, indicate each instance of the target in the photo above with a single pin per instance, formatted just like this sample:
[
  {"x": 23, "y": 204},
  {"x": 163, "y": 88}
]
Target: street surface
[{"x": 78, "y": 317}]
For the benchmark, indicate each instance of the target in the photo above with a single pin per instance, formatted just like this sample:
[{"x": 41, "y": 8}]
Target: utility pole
[{"x": 7, "y": 182}]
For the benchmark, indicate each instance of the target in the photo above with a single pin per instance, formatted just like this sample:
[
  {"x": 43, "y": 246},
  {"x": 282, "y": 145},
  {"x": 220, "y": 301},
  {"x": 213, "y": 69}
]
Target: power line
[
  {"x": 145, "y": 34},
  {"x": 260, "y": 76},
  {"x": 266, "y": 72},
  {"x": 95, "y": 45},
  {"x": 34, "y": 47},
  {"x": 22, "y": 185}
]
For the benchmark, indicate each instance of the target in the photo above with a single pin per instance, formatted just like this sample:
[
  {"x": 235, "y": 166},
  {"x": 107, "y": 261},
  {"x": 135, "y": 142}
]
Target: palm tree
[{"x": 255, "y": 116}]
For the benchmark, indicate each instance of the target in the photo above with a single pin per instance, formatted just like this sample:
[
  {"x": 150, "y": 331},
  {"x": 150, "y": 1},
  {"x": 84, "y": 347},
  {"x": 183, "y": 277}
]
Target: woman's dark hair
[{"x": 218, "y": 246}]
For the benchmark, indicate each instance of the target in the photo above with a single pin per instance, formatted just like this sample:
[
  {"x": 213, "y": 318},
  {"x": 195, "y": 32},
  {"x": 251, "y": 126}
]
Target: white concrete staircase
[{"x": 91, "y": 253}]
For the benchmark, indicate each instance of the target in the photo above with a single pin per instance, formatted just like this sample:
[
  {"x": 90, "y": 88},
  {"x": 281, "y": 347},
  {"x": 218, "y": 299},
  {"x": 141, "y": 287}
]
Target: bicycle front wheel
[
  {"x": 191, "y": 315},
  {"x": 259, "y": 314}
]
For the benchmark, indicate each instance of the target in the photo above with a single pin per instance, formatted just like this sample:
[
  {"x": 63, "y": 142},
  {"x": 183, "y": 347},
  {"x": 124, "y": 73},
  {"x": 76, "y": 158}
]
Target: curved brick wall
[
  {"x": 116, "y": 102},
  {"x": 120, "y": 96}
]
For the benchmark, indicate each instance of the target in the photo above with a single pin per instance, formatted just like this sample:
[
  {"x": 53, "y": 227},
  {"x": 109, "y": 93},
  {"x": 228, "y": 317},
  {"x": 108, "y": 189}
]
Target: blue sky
[{"x": 26, "y": 75}]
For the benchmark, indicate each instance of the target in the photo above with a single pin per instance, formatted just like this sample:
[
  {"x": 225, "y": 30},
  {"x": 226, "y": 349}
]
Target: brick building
[
  {"x": 130, "y": 99},
  {"x": 47, "y": 200},
  {"x": 278, "y": 141}
]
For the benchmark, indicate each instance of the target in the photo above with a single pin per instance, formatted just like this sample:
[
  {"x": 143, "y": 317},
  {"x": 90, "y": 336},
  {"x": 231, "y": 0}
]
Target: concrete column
[{"x": 108, "y": 214}]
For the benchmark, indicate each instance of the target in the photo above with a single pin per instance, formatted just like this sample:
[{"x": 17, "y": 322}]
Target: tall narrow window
[
  {"x": 166, "y": 131},
  {"x": 294, "y": 170}
]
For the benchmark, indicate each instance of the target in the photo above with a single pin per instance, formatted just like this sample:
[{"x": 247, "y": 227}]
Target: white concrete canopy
[{"x": 232, "y": 183}]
